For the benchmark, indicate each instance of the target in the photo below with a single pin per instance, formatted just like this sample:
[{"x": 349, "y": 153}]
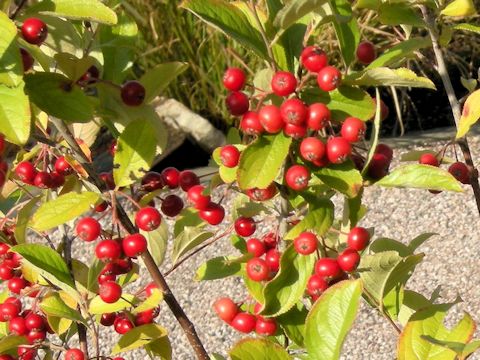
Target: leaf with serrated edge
[
  {"x": 470, "y": 114},
  {"x": 139, "y": 337},
  {"x": 258, "y": 349},
  {"x": 383, "y": 76}
]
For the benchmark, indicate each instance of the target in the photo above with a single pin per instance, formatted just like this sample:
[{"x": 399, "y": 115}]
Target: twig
[{"x": 17, "y": 10}]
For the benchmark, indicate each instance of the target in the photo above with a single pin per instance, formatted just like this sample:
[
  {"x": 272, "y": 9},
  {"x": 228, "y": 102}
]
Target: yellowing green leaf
[
  {"x": 53, "y": 305},
  {"x": 157, "y": 79},
  {"x": 98, "y": 306},
  {"x": 15, "y": 114},
  {"x": 11, "y": 70},
  {"x": 139, "y": 337},
  {"x": 258, "y": 349},
  {"x": 92, "y": 10},
  {"x": 470, "y": 114},
  {"x": 151, "y": 302},
  {"x": 459, "y": 8}
]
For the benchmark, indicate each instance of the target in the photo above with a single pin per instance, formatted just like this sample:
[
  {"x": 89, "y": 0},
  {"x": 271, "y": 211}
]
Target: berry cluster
[
  {"x": 458, "y": 169},
  {"x": 49, "y": 177},
  {"x": 10, "y": 271}
]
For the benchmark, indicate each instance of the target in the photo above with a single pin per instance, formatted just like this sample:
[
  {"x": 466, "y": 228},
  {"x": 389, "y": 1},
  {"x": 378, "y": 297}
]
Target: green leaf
[
  {"x": 98, "y": 306},
  {"x": 470, "y": 114},
  {"x": 11, "y": 343},
  {"x": 462, "y": 350},
  {"x": 73, "y": 67},
  {"x": 189, "y": 238},
  {"x": 258, "y": 349},
  {"x": 57, "y": 96},
  {"x": 468, "y": 27},
  {"x": 139, "y": 337},
  {"x": 419, "y": 240},
  {"x": 288, "y": 286},
  {"x": 62, "y": 209},
  {"x": 11, "y": 70},
  {"x": 330, "y": 319},
  {"x": 95, "y": 268},
  {"x": 344, "y": 178},
  {"x": 293, "y": 323},
  {"x": 383, "y": 76},
  {"x": 23, "y": 217},
  {"x": 90, "y": 10},
  {"x": 160, "y": 347},
  {"x": 420, "y": 176},
  {"x": 254, "y": 288},
  {"x": 346, "y": 28},
  {"x": 151, "y": 302},
  {"x": 135, "y": 152},
  {"x": 59, "y": 325},
  {"x": 230, "y": 20},
  {"x": 15, "y": 114},
  {"x": 261, "y": 161},
  {"x": 49, "y": 264},
  {"x": 459, "y": 8},
  {"x": 219, "y": 268},
  {"x": 187, "y": 218},
  {"x": 400, "y": 52},
  {"x": 157, "y": 242},
  {"x": 294, "y": 11},
  {"x": 157, "y": 79},
  {"x": 411, "y": 303},
  {"x": 53, "y": 305},
  {"x": 343, "y": 102},
  {"x": 319, "y": 218},
  {"x": 399, "y": 14},
  {"x": 415, "y": 155}
]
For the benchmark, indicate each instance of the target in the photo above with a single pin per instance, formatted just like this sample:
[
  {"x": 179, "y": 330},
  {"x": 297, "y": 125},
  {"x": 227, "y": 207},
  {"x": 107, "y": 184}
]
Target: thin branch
[{"x": 17, "y": 10}]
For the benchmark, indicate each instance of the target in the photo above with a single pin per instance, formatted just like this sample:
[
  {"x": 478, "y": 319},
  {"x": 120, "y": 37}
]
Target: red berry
[
  {"x": 57, "y": 180},
  {"x": 88, "y": 229},
  {"x": 17, "y": 326},
  {"x": 245, "y": 226},
  {"x": 110, "y": 292},
  {"x": 107, "y": 319},
  {"x": 329, "y": 78},
  {"x": 256, "y": 247},
  {"x": 378, "y": 167},
  {"x": 272, "y": 258},
  {"x": 101, "y": 207},
  {"x": 16, "y": 284},
  {"x": 328, "y": 268},
  {"x": 213, "y": 214},
  {"x": 187, "y": 179},
  {"x": 366, "y": 52},
  {"x": 15, "y": 301},
  {"x": 148, "y": 218},
  {"x": 229, "y": 155},
  {"x": 226, "y": 309},
  {"x": 62, "y": 166},
  {"x": 318, "y": 116},
  {"x": 4, "y": 248},
  {"x": 103, "y": 278},
  {"x": 353, "y": 129},
  {"x": 237, "y": 103},
  {"x": 297, "y": 177},
  {"x": 108, "y": 250},
  {"x": 107, "y": 178},
  {"x": 283, "y": 83},
  {"x": 429, "y": 159},
  {"x": 293, "y": 111},
  {"x": 338, "y": 150},
  {"x": 358, "y": 238},
  {"x": 132, "y": 93},
  {"x": 250, "y": 124},
  {"x": 316, "y": 285},
  {"x": 7, "y": 357},
  {"x": 6, "y": 272},
  {"x": 234, "y": 79},
  {"x": 8, "y": 311},
  {"x": 460, "y": 171},
  {"x": 257, "y": 194},
  {"x": 385, "y": 150},
  {"x": 313, "y": 59},
  {"x": 42, "y": 180},
  {"x": 312, "y": 149},
  {"x": 172, "y": 205},
  {"x": 244, "y": 322},
  {"x": 171, "y": 176},
  {"x": 3, "y": 166},
  {"x": 295, "y": 131},
  {"x": 123, "y": 325},
  {"x": 152, "y": 181},
  {"x": 25, "y": 353},
  {"x": 270, "y": 118},
  {"x": 36, "y": 336},
  {"x": 270, "y": 240},
  {"x": 266, "y": 327},
  {"x": 150, "y": 288},
  {"x": 196, "y": 196},
  {"x": 34, "y": 322},
  {"x": 257, "y": 269},
  {"x": 26, "y": 172},
  {"x": 27, "y": 60},
  {"x": 134, "y": 245},
  {"x": 34, "y": 31},
  {"x": 74, "y": 354},
  {"x": 90, "y": 76},
  {"x": 348, "y": 260},
  {"x": 305, "y": 243}
]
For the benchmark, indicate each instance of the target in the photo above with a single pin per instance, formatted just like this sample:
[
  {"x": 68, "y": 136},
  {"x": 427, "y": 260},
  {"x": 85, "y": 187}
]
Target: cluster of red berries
[
  {"x": 244, "y": 321},
  {"x": 48, "y": 178},
  {"x": 266, "y": 258},
  {"x": 458, "y": 169},
  {"x": 10, "y": 272}
]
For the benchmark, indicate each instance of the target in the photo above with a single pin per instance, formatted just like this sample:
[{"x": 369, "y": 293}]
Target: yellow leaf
[
  {"x": 460, "y": 8},
  {"x": 470, "y": 113}
]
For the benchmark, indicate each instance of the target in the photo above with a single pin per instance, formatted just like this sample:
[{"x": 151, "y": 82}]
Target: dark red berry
[
  {"x": 62, "y": 166},
  {"x": 134, "y": 245},
  {"x": 338, "y": 150},
  {"x": 88, "y": 229},
  {"x": 384, "y": 110},
  {"x": 257, "y": 269},
  {"x": 172, "y": 205},
  {"x": 358, "y": 238},
  {"x": 366, "y": 52},
  {"x": 295, "y": 131},
  {"x": 42, "y": 180},
  {"x": 329, "y": 78},
  {"x": 313, "y": 58},
  {"x": 213, "y": 214},
  {"x": 229, "y": 155},
  {"x": 256, "y": 247},
  {"x": 90, "y": 76},
  {"x": 187, "y": 179},
  {"x": 460, "y": 171},
  {"x": 353, "y": 129},
  {"x": 110, "y": 292},
  {"x": 293, "y": 111},
  {"x": 148, "y": 218},
  {"x": 250, "y": 124},
  {"x": 283, "y": 83},
  {"x": 107, "y": 319},
  {"x": 27, "y": 59},
  {"x": 34, "y": 31},
  {"x": 226, "y": 309},
  {"x": 297, "y": 177},
  {"x": 132, "y": 93},
  {"x": 257, "y": 194},
  {"x": 305, "y": 243},
  {"x": 152, "y": 181},
  {"x": 237, "y": 103},
  {"x": 107, "y": 178},
  {"x": 234, "y": 79},
  {"x": 378, "y": 167},
  {"x": 101, "y": 207},
  {"x": 245, "y": 226},
  {"x": 318, "y": 116}
]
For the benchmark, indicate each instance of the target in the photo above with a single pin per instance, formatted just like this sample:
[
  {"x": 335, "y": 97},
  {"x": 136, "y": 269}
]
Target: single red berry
[
  {"x": 144, "y": 317},
  {"x": 295, "y": 131},
  {"x": 429, "y": 159},
  {"x": 196, "y": 196},
  {"x": 57, "y": 180},
  {"x": 257, "y": 194},
  {"x": 271, "y": 119},
  {"x": 132, "y": 93},
  {"x": 353, "y": 129},
  {"x": 385, "y": 150},
  {"x": 312, "y": 149},
  {"x": 152, "y": 181},
  {"x": 6, "y": 272},
  {"x": 257, "y": 269},
  {"x": 36, "y": 336},
  {"x": 329, "y": 78},
  {"x": 148, "y": 218},
  {"x": 171, "y": 176},
  {"x": 283, "y": 83},
  {"x": 229, "y": 155},
  {"x": 4, "y": 248},
  {"x": 103, "y": 278},
  {"x": 107, "y": 319},
  {"x": 270, "y": 240},
  {"x": 62, "y": 166},
  {"x": 150, "y": 288},
  {"x": 237, "y": 103},
  {"x": 187, "y": 179},
  {"x": 226, "y": 309},
  {"x": 293, "y": 111},
  {"x": 348, "y": 260},
  {"x": 15, "y": 301},
  {"x": 34, "y": 31},
  {"x": 313, "y": 58},
  {"x": 366, "y": 52},
  {"x": 358, "y": 238},
  {"x": 266, "y": 327},
  {"x": 16, "y": 284},
  {"x": 123, "y": 325},
  {"x": 26, "y": 353},
  {"x": 108, "y": 250},
  {"x": 90, "y": 76},
  {"x": 7, "y": 357},
  {"x": 378, "y": 167},
  {"x": 88, "y": 229},
  {"x": 328, "y": 268},
  {"x": 318, "y": 116},
  {"x": 134, "y": 245},
  {"x": 110, "y": 292},
  {"x": 234, "y": 79},
  {"x": 42, "y": 180},
  {"x": 101, "y": 207},
  {"x": 244, "y": 322},
  {"x": 245, "y": 226},
  {"x": 26, "y": 172},
  {"x": 213, "y": 214},
  {"x": 305, "y": 243},
  {"x": 272, "y": 258},
  {"x": 74, "y": 354},
  {"x": 27, "y": 60},
  {"x": 256, "y": 247},
  {"x": 297, "y": 177},
  {"x": 34, "y": 322},
  {"x": 384, "y": 110},
  {"x": 460, "y": 171},
  {"x": 316, "y": 285},
  {"x": 338, "y": 150},
  {"x": 107, "y": 178},
  {"x": 17, "y": 326},
  {"x": 250, "y": 124},
  {"x": 8, "y": 311},
  {"x": 172, "y": 205}
]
